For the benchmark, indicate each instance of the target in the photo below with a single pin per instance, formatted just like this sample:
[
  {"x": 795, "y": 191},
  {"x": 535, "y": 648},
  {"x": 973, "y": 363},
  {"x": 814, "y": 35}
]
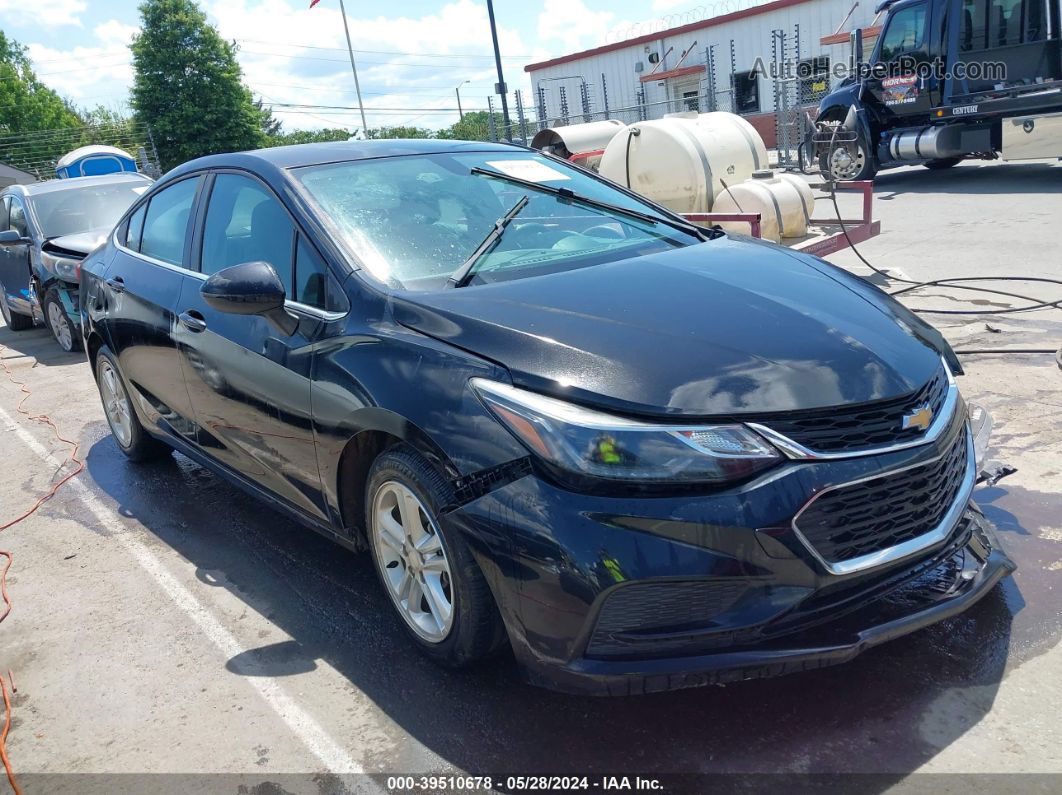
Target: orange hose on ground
[{"x": 80, "y": 465}]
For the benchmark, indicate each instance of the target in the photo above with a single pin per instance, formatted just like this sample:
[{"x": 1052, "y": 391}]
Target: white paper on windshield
[{"x": 531, "y": 170}]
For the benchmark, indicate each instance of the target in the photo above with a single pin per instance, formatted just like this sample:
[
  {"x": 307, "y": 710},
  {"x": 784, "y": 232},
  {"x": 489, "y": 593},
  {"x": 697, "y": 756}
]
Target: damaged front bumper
[{"x": 816, "y": 636}]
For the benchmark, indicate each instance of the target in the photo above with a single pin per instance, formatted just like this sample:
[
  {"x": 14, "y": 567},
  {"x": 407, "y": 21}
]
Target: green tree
[
  {"x": 188, "y": 85},
  {"x": 475, "y": 126},
  {"x": 27, "y": 106},
  {"x": 308, "y": 137},
  {"x": 398, "y": 132}
]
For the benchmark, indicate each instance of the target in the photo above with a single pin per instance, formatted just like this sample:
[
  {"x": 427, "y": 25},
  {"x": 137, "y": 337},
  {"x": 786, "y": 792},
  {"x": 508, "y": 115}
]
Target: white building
[{"x": 705, "y": 65}]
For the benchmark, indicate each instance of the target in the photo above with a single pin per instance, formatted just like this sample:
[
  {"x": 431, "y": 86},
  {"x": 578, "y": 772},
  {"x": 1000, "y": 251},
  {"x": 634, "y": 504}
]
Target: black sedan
[{"x": 643, "y": 454}]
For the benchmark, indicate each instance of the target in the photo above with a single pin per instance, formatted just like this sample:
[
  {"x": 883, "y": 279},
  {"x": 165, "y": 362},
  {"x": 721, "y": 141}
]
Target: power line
[
  {"x": 383, "y": 52},
  {"x": 374, "y": 63}
]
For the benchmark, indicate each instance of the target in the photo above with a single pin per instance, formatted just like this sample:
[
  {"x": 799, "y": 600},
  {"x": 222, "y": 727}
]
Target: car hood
[
  {"x": 83, "y": 243},
  {"x": 726, "y": 327}
]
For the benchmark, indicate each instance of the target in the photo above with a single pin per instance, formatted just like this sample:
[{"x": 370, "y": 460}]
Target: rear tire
[
  {"x": 14, "y": 320},
  {"x": 65, "y": 332},
  {"x": 417, "y": 554},
  {"x": 942, "y": 163},
  {"x": 130, "y": 436}
]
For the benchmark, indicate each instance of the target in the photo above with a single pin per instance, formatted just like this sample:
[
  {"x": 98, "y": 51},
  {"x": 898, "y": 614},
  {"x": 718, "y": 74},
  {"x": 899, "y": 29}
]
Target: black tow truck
[{"x": 947, "y": 80}]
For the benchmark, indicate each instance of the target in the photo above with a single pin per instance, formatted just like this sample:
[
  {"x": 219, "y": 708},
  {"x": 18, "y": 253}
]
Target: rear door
[
  {"x": 141, "y": 287},
  {"x": 250, "y": 383},
  {"x": 15, "y": 259}
]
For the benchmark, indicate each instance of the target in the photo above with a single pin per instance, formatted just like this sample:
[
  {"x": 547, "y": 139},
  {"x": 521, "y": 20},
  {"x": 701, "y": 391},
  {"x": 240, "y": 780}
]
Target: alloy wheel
[
  {"x": 412, "y": 561},
  {"x": 60, "y": 325},
  {"x": 116, "y": 404},
  {"x": 5, "y": 311},
  {"x": 846, "y": 162}
]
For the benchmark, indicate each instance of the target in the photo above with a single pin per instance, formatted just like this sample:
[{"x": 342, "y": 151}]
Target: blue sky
[{"x": 410, "y": 60}]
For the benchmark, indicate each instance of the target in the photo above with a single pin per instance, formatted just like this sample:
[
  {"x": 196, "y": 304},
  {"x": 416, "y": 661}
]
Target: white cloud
[
  {"x": 390, "y": 77},
  {"x": 49, "y": 13},
  {"x": 114, "y": 32},
  {"x": 572, "y": 24},
  {"x": 99, "y": 73}
]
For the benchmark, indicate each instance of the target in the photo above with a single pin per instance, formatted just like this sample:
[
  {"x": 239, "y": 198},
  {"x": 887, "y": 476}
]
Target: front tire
[
  {"x": 68, "y": 337},
  {"x": 849, "y": 161},
  {"x": 130, "y": 436},
  {"x": 14, "y": 320},
  {"x": 425, "y": 566}
]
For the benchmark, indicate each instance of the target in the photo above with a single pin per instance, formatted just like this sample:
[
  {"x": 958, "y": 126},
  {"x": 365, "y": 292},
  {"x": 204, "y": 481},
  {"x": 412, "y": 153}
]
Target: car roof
[
  {"x": 282, "y": 157},
  {"x": 55, "y": 185}
]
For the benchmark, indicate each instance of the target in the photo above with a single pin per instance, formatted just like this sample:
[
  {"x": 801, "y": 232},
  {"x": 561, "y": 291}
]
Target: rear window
[{"x": 89, "y": 208}]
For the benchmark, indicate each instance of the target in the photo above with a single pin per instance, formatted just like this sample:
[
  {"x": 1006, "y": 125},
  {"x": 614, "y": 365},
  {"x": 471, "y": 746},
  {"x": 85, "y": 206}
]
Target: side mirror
[
  {"x": 10, "y": 237},
  {"x": 252, "y": 288},
  {"x": 857, "y": 47}
]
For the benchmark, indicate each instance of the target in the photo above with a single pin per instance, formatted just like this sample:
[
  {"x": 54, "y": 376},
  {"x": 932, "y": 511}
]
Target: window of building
[{"x": 746, "y": 93}]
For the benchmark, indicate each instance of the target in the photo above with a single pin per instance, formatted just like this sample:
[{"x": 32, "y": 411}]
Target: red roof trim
[
  {"x": 841, "y": 38},
  {"x": 682, "y": 71},
  {"x": 704, "y": 23}
]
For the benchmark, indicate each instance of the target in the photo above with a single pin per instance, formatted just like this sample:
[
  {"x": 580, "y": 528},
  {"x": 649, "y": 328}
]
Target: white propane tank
[
  {"x": 577, "y": 139},
  {"x": 681, "y": 161},
  {"x": 783, "y": 203}
]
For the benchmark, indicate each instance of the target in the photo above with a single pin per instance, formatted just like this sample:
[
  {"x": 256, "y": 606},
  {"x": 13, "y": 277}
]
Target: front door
[
  {"x": 141, "y": 287},
  {"x": 903, "y": 82},
  {"x": 15, "y": 258},
  {"x": 248, "y": 381}
]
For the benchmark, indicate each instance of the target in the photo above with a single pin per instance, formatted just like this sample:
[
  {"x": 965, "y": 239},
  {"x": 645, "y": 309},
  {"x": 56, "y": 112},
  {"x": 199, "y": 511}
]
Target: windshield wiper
[
  {"x": 570, "y": 195},
  {"x": 461, "y": 276}
]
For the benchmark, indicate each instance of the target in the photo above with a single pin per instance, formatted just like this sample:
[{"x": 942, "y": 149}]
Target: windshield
[
  {"x": 413, "y": 220},
  {"x": 82, "y": 209}
]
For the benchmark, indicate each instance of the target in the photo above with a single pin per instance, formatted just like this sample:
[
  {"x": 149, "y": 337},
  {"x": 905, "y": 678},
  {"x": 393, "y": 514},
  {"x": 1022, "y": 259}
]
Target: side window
[
  {"x": 905, "y": 32},
  {"x": 17, "y": 219},
  {"x": 973, "y": 25},
  {"x": 746, "y": 93},
  {"x": 134, "y": 228},
  {"x": 166, "y": 222},
  {"x": 246, "y": 223},
  {"x": 314, "y": 284}
]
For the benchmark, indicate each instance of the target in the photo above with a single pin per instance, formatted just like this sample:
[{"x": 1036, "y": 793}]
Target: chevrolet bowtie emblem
[{"x": 920, "y": 418}]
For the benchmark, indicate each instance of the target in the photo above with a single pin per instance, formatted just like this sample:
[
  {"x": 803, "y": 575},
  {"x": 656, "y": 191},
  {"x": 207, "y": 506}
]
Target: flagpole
[{"x": 354, "y": 69}]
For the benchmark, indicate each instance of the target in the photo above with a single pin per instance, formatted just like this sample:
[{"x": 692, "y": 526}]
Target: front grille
[
  {"x": 868, "y": 425},
  {"x": 644, "y": 614},
  {"x": 851, "y": 521}
]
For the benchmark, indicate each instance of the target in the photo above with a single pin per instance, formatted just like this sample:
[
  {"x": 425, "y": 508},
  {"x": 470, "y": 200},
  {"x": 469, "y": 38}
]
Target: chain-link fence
[
  {"x": 791, "y": 92},
  {"x": 37, "y": 152}
]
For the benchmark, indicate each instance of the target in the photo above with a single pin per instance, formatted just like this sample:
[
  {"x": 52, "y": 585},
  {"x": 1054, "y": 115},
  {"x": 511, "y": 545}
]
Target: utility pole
[
  {"x": 354, "y": 69},
  {"x": 500, "y": 88},
  {"x": 457, "y": 90}
]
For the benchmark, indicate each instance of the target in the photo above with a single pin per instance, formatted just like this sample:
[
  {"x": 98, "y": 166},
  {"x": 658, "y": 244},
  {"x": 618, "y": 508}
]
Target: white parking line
[{"x": 313, "y": 736}]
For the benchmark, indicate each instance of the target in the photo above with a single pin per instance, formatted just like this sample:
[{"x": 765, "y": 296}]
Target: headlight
[
  {"x": 65, "y": 268},
  {"x": 599, "y": 445}
]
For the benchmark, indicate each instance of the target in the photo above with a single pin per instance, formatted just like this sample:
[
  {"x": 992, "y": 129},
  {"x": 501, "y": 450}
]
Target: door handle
[
  {"x": 193, "y": 321},
  {"x": 116, "y": 284}
]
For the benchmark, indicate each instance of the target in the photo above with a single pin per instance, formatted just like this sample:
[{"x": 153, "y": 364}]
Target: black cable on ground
[{"x": 951, "y": 282}]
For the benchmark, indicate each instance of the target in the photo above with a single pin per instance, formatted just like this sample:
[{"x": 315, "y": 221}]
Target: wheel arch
[{"x": 378, "y": 430}]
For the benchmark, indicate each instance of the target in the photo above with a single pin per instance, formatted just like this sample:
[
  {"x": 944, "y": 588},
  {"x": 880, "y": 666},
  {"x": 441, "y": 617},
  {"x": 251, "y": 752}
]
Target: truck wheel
[
  {"x": 849, "y": 161},
  {"x": 66, "y": 334},
  {"x": 424, "y": 563},
  {"x": 14, "y": 320},
  {"x": 944, "y": 162}
]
